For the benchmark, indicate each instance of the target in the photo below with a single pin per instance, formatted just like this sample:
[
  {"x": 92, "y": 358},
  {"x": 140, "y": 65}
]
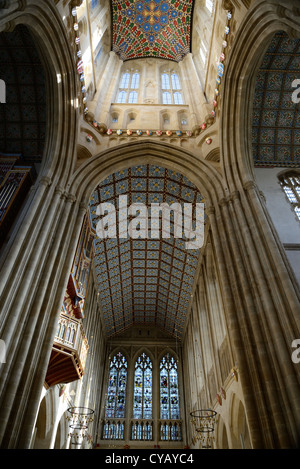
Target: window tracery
[
  {"x": 169, "y": 393},
  {"x": 142, "y": 400},
  {"x": 129, "y": 84},
  {"x": 141, "y": 422},
  {"x": 116, "y": 392},
  {"x": 171, "y": 88}
]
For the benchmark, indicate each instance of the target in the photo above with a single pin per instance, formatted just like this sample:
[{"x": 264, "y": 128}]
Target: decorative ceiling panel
[
  {"x": 23, "y": 116},
  {"x": 276, "y": 119},
  {"x": 145, "y": 281},
  {"x": 152, "y": 28}
]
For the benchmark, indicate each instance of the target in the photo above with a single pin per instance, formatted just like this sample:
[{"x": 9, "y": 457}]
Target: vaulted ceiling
[
  {"x": 23, "y": 117},
  {"x": 276, "y": 118},
  {"x": 145, "y": 281},
  {"x": 152, "y": 28}
]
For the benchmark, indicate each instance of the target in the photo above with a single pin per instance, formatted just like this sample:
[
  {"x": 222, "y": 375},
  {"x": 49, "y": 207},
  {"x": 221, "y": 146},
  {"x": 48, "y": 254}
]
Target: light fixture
[
  {"x": 79, "y": 419},
  {"x": 203, "y": 422}
]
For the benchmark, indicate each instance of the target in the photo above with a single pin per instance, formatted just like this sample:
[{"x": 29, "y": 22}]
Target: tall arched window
[
  {"x": 169, "y": 393},
  {"x": 167, "y": 97},
  {"x": 130, "y": 80},
  {"x": 132, "y": 97},
  {"x": 290, "y": 182},
  {"x": 125, "y": 80},
  {"x": 116, "y": 391},
  {"x": 142, "y": 399},
  {"x": 135, "y": 81},
  {"x": 171, "y": 88},
  {"x": 122, "y": 97},
  {"x": 177, "y": 98}
]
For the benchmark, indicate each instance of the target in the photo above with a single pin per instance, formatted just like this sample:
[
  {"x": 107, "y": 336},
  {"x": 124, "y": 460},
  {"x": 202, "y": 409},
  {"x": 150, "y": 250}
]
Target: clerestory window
[
  {"x": 129, "y": 84},
  {"x": 171, "y": 88}
]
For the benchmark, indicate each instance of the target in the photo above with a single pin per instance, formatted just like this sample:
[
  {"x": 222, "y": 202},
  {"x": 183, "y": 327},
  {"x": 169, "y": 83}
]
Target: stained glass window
[
  {"x": 169, "y": 394},
  {"x": 116, "y": 392},
  {"x": 142, "y": 399}
]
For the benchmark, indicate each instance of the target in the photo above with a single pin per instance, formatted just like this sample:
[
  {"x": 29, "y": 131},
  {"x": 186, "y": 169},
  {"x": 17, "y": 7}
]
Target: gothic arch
[
  {"x": 201, "y": 173},
  {"x": 139, "y": 352},
  {"x": 252, "y": 39}
]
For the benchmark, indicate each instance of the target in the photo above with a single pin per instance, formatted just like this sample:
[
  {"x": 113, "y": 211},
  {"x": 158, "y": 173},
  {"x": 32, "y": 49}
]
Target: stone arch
[
  {"x": 251, "y": 42},
  {"x": 201, "y": 173},
  {"x": 221, "y": 435},
  {"x": 238, "y": 423}
]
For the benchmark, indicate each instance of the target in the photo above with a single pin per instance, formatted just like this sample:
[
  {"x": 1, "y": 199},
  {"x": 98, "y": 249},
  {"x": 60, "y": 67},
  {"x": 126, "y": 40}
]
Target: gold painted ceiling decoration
[
  {"x": 152, "y": 28},
  {"x": 145, "y": 281}
]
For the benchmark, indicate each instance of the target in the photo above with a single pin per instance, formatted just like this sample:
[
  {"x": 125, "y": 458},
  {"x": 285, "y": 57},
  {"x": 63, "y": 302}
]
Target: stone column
[{"x": 32, "y": 316}]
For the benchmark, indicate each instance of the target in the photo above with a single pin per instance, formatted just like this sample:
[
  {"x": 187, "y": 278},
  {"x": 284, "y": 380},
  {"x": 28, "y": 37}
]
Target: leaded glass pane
[
  {"x": 125, "y": 80},
  {"x": 175, "y": 81},
  {"x": 116, "y": 392},
  {"x": 165, "y": 81},
  {"x": 142, "y": 400},
  {"x": 135, "y": 81},
  {"x": 122, "y": 97},
  {"x": 169, "y": 394},
  {"x": 132, "y": 97},
  {"x": 167, "y": 98},
  {"x": 178, "y": 98}
]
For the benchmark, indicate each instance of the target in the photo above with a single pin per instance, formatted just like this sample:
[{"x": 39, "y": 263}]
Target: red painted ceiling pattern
[{"x": 152, "y": 28}]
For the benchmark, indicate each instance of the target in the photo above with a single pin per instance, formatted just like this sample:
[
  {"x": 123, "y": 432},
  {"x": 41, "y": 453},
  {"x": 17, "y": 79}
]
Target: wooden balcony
[{"x": 69, "y": 352}]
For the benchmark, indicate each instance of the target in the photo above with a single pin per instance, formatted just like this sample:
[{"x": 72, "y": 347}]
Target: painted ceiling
[
  {"x": 151, "y": 28},
  {"x": 276, "y": 118},
  {"x": 23, "y": 117},
  {"x": 144, "y": 281}
]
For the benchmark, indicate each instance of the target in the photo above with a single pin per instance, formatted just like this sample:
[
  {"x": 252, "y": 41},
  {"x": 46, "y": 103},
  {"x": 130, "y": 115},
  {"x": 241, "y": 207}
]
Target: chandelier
[
  {"x": 203, "y": 422},
  {"x": 79, "y": 419}
]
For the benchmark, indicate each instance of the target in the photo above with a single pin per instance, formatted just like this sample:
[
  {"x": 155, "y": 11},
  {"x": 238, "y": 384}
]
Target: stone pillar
[{"x": 33, "y": 311}]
